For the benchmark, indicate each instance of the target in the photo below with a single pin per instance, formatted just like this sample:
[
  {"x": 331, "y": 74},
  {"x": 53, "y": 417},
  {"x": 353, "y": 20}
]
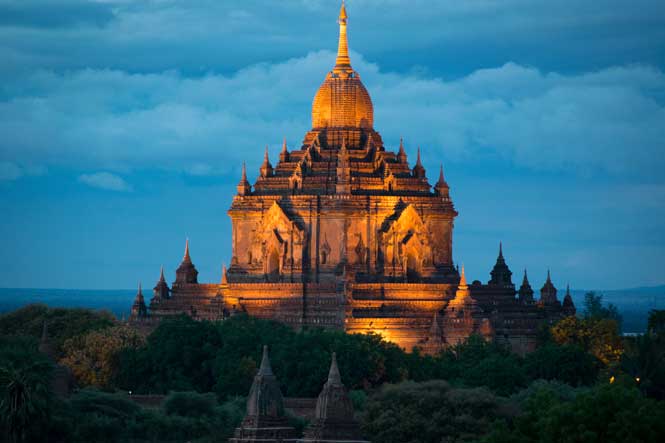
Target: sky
[{"x": 124, "y": 124}]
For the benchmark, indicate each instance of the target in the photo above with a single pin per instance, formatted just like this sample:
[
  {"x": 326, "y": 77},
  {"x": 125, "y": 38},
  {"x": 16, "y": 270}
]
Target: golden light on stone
[{"x": 343, "y": 233}]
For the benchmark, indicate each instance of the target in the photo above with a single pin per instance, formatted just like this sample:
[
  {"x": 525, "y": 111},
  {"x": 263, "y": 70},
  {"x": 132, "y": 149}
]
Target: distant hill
[{"x": 634, "y": 304}]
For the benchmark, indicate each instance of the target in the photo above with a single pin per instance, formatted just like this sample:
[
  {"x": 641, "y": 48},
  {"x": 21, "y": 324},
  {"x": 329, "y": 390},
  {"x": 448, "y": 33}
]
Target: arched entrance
[
  {"x": 272, "y": 270},
  {"x": 412, "y": 268}
]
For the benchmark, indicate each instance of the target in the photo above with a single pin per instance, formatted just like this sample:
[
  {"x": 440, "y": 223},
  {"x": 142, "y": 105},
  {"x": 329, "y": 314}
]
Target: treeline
[{"x": 584, "y": 383}]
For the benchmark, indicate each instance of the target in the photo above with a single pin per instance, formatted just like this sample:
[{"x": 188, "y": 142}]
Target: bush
[
  {"x": 429, "y": 412},
  {"x": 190, "y": 404}
]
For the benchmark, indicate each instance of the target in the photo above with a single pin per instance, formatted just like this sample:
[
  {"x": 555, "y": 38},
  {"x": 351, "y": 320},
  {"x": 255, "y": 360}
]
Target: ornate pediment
[
  {"x": 277, "y": 221},
  {"x": 405, "y": 220}
]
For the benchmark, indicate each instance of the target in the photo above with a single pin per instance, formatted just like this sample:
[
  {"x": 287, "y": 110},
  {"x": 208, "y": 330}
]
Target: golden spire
[
  {"x": 462, "y": 280},
  {"x": 343, "y": 63},
  {"x": 224, "y": 279},
  {"x": 186, "y": 257}
]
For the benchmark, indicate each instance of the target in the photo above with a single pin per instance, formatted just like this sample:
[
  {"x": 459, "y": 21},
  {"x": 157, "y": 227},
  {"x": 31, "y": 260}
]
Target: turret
[
  {"x": 161, "y": 290},
  {"x": 284, "y": 155},
  {"x": 139, "y": 309},
  {"x": 548, "y": 292},
  {"x": 568, "y": 305},
  {"x": 525, "y": 292},
  {"x": 244, "y": 188},
  {"x": 501, "y": 274},
  {"x": 441, "y": 187},
  {"x": 401, "y": 155},
  {"x": 419, "y": 169},
  {"x": 266, "y": 167},
  {"x": 186, "y": 272}
]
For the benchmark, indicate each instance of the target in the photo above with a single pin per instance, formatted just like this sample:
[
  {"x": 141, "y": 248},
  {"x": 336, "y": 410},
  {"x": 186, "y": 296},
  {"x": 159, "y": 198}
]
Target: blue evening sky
[{"x": 124, "y": 123}]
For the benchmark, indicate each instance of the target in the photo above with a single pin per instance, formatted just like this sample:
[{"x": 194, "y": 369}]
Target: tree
[
  {"x": 93, "y": 358},
  {"x": 63, "y": 323},
  {"x": 25, "y": 395},
  {"x": 594, "y": 309},
  {"x": 599, "y": 337},
  {"x": 427, "y": 412},
  {"x": 567, "y": 363},
  {"x": 656, "y": 324}
]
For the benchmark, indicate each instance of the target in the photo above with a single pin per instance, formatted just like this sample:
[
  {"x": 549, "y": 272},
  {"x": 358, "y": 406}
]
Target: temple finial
[
  {"x": 343, "y": 63},
  {"x": 224, "y": 279},
  {"x": 140, "y": 291},
  {"x": 401, "y": 156},
  {"x": 284, "y": 151},
  {"x": 266, "y": 159},
  {"x": 265, "y": 368},
  {"x": 500, "y": 249},
  {"x": 334, "y": 376},
  {"x": 548, "y": 275},
  {"x": 526, "y": 278},
  {"x": 161, "y": 274},
  {"x": 462, "y": 279},
  {"x": 441, "y": 179},
  {"x": 418, "y": 162},
  {"x": 243, "y": 176},
  {"x": 186, "y": 257}
]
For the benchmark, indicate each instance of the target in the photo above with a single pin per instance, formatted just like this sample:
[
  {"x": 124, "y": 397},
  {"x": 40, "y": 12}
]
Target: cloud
[
  {"x": 105, "y": 180},
  {"x": 610, "y": 121}
]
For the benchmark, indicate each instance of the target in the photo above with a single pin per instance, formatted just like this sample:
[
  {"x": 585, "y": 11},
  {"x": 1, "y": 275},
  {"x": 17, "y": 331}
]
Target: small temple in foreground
[{"x": 344, "y": 233}]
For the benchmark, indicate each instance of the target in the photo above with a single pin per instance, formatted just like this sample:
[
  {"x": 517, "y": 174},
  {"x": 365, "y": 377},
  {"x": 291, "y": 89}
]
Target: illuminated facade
[{"x": 343, "y": 233}]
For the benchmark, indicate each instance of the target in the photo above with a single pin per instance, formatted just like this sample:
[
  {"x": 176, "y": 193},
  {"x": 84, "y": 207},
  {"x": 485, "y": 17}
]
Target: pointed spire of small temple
[
  {"x": 441, "y": 186},
  {"x": 343, "y": 62},
  {"x": 161, "y": 274},
  {"x": 334, "y": 375},
  {"x": 501, "y": 273},
  {"x": 186, "y": 257},
  {"x": 548, "y": 291},
  {"x": 266, "y": 167},
  {"x": 525, "y": 292},
  {"x": 224, "y": 279},
  {"x": 244, "y": 188},
  {"x": 139, "y": 309},
  {"x": 284, "y": 150},
  {"x": 401, "y": 155},
  {"x": 265, "y": 368},
  {"x": 186, "y": 272},
  {"x": 462, "y": 279},
  {"x": 419, "y": 170}
]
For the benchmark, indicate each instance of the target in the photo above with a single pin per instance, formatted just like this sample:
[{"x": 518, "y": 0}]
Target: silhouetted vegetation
[{"x": 584, "y": 383}]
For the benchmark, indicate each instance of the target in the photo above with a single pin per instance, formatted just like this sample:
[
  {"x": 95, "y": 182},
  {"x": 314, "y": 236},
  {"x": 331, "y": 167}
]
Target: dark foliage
[{"x": 63, "y": 323}]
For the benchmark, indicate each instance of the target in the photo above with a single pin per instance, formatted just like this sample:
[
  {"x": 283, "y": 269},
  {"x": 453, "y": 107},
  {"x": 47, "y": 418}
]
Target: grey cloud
[
  {"x": 609, "y": 121},
  {"x": 450, "y": 38},
  {"x": 54, "y": 13},
  {"x": 105, "y": 180}
]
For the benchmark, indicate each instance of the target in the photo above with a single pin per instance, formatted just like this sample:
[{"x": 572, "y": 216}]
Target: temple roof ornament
[
  {"x": 441, "y": 187},
  {"x": 401, "y": 155},
  {"x": 342, "y": 100},
  {"x": 266, "y": 167},
  {"x": 244, "y": 188},
  {"x": 161, "y": 289},
  {"x": 419, "y": 169},
  {"x": 501, "y": 274},
  {"x": 548, "y": 292},
  {"x": 186, "y": 272},
  {"x": 525, "y": 292},
  {"x": 139, "y": 309}
]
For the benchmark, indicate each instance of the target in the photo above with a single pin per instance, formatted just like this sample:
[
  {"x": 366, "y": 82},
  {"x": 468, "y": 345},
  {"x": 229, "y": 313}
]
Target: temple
[{"x": 345, "y": 233}]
